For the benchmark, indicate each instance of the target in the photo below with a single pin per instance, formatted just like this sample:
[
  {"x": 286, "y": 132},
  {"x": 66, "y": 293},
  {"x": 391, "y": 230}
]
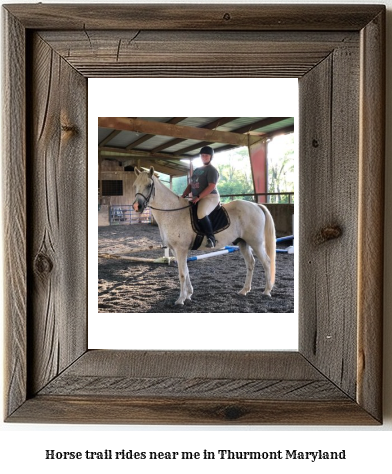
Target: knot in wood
[
  {"x": 315, "y": 143},
  {"x": 233, "y": 413},
  {"x": 43, "y": 264},
  {"x": 328, "y": 233},
  {"x": 227, "y": 16},
  {"x": 69, "y": 129}
]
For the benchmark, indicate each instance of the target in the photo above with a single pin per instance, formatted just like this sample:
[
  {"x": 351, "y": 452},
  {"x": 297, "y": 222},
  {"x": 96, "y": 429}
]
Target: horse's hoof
[
  {"x": 243, "y": 292},
  {"x": 179, "y": 302},
  {"x": 267, "y": 293}
]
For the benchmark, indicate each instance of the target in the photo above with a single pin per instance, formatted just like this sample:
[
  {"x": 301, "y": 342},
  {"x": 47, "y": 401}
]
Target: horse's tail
[{"x": 270, "y": 240}]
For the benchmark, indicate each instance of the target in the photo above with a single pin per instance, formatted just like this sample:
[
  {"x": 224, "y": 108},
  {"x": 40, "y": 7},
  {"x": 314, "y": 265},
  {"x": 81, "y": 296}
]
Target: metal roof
[{"x": 163, "y": 142}]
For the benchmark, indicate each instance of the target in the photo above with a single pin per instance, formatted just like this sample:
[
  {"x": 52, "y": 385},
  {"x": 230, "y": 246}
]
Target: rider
[{"x": 203, "y": 186}]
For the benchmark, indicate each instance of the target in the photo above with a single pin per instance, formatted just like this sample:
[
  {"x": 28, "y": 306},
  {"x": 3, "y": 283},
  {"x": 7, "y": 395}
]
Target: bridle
[{"x": 147, "y": 200}]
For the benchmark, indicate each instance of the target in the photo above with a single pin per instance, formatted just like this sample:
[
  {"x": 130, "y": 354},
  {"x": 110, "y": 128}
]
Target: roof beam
[
  {"x": 256, "y": 125},
  {"x": 209, "y": 126},
  {"x": 261, "y": 123},
  {"x": 172, "y": 169},
  {"x": 176, "y": 131},
  {"x": 109, "y": 137},
  {"x": 144, "y": 138},
  {"x": 141, "y": 154},
  {"x": 161, "y": 167},
  {"x": 267, "y": 136}
]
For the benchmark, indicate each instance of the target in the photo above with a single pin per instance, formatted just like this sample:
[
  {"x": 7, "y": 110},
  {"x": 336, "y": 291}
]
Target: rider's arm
[
  {"x": 208, "y": 190},
  {"x": 187, "y": 191}
]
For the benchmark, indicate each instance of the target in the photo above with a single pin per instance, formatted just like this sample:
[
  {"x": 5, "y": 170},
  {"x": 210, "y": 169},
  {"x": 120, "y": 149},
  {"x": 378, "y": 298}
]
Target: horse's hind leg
[
  {"x": 186, "y": 289},
  {"x": 246, "y": 252},
  {"x": 265, "y": 261}
]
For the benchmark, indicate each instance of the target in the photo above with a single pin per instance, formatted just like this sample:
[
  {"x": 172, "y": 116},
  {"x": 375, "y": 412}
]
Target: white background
[
  {"x": 170, "y": 97},
  {"x": 368, "y": 449}
]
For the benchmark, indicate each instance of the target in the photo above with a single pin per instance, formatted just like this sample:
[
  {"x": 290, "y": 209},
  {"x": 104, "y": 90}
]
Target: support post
[
  {"x": 190, "y": 170},
  {"x": 258, "y": 162},
  {"x": 100, "y": 159}
]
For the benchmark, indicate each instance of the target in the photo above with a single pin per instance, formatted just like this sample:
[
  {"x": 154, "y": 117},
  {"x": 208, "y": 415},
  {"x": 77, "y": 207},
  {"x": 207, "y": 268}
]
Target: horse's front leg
[{"x": 186, "y": 289}]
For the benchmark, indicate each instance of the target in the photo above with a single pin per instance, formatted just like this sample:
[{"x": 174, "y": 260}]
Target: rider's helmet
[{"x": 207, "y": 150}]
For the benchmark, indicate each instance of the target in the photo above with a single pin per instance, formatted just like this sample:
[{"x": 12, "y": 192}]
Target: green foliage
[
  {"x": 179, "y": 184},
  {"x": 281, "y": 167},
  {"x": 235, "y": 175}
]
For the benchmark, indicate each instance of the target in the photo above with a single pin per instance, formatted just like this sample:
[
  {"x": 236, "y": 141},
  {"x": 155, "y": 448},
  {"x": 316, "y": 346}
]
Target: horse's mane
[{"x": 168, "y": 189}]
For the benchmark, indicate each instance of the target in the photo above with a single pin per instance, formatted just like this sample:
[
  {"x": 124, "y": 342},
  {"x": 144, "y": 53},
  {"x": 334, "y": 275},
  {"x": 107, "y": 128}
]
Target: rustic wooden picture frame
[{"x": 337, "y": 52}]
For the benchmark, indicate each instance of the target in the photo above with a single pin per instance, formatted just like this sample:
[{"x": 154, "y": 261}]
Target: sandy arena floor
[{"x": 130, "y": 287}]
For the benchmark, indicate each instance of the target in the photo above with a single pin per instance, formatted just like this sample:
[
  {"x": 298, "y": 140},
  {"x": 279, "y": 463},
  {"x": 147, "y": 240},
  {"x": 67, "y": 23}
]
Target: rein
[
  {"x": 170, "y": 210},
  {"x": 155, "y": 208}
]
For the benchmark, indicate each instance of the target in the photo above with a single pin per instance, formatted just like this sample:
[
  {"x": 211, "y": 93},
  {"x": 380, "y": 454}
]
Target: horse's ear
[
  {"x": 151, "y": 171},
  {"x": 137, "y": 172}
]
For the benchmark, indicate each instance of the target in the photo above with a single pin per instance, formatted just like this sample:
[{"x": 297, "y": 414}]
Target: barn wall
[
  {"x": 111, "y": 165},
  {"x": 103, "y": 215},
  {"x": 283, "y": 218},
  {"x": 128, "y": 178},
  {"x": 281, "y": 213}
]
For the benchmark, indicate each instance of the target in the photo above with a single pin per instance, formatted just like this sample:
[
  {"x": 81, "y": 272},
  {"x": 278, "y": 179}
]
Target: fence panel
[{"x": 125, "y": 214}]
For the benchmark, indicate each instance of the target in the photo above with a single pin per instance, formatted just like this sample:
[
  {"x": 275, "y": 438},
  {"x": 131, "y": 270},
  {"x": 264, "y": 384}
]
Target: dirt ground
[{"x": 134, "y": 287}]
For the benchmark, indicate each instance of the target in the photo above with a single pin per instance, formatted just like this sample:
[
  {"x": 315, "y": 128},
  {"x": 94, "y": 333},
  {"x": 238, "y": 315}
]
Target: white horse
[{"x": 251, "y": 223}]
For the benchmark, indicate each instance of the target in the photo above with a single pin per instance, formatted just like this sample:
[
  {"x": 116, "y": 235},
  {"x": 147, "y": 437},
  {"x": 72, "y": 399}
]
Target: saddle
[{"x": 219, "y": 218}]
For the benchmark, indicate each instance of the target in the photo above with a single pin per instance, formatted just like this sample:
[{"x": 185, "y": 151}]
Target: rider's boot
[{"x": 206, "y": 227}]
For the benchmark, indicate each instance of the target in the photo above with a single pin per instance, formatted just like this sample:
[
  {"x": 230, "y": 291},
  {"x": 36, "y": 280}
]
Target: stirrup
[{"x": 210, "y": 243}]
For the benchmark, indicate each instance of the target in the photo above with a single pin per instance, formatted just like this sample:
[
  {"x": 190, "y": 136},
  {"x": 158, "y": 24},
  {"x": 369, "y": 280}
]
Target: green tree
[
  {"x": 281, "y": 167},
  {"x": 235, "y": 175},
  {"x": 179, "y": 184}
]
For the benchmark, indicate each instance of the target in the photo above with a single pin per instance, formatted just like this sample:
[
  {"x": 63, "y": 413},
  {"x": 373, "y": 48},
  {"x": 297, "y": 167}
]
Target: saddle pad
[{"x": 219, "y": 219}]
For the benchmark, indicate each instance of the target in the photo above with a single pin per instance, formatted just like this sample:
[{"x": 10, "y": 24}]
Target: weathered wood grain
[
  {"x": 202, "y": 387},
  {"x": 329, "y": 171},
  {"x": 127, "y": 53},
  {"x": 14, "y": 213},
  {"x": 192, "y": 17},
  {"x": 187, "y": 374},
  {"x": 103, "y": 409},
  {"x": 208, "y": 364},
  {"x": 336, "y": 376},
  {"x": 371, "y": 216},
  {"x": 57, "y": 210}
]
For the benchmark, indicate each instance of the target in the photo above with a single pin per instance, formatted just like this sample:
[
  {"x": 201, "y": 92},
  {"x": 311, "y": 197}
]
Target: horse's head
[{"x": 144, "y": 189}]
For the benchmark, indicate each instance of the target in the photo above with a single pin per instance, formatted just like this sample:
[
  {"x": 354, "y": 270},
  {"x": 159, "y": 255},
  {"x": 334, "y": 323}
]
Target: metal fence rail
[
  {"x": 273, "y": 198},
  {"x": 124, "y": 214}
]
